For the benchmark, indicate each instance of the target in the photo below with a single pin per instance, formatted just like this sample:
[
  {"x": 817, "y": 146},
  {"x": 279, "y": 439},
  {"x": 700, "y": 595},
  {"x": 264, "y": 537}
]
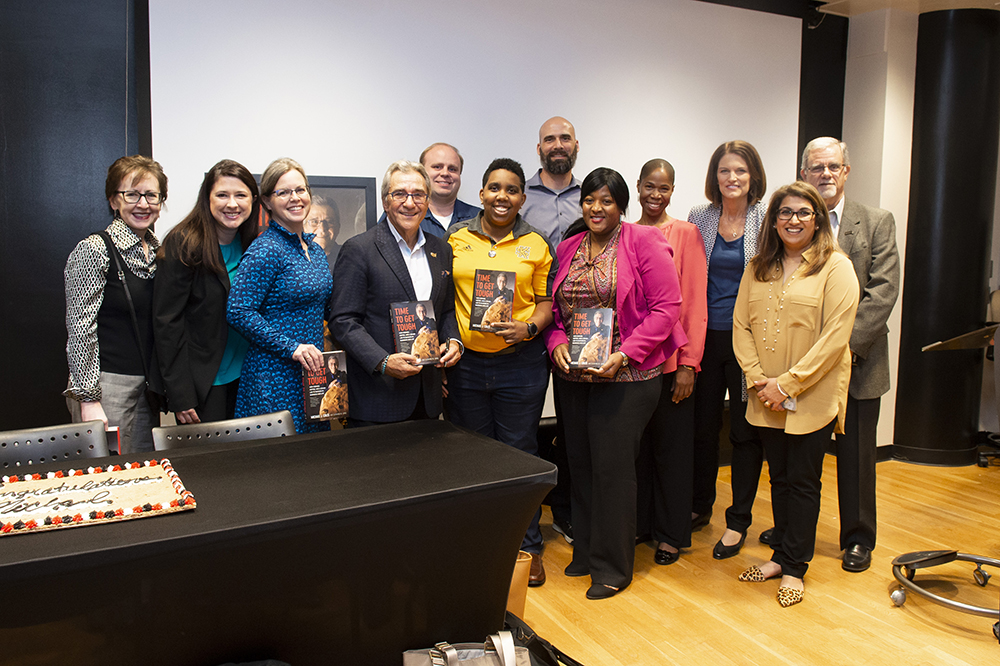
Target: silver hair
[
  {"x": 404, "y": 166},
  {"x": 821, "y": 143}
]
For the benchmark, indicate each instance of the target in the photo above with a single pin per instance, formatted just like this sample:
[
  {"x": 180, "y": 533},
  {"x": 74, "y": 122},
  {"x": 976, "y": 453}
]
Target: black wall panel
[{"x": 67, "y": 111}]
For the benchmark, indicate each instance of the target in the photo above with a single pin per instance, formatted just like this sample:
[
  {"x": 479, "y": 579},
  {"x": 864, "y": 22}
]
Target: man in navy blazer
[{"x": 393, "y": 262}]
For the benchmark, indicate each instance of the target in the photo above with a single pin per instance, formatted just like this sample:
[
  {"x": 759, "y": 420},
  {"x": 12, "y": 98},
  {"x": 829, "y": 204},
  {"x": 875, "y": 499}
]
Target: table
[{"x": 332, "y": 548}]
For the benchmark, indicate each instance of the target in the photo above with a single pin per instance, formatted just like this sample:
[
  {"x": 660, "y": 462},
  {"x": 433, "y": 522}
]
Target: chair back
[
  {"x": 51, "y": 444},
  {"x": 275, "y": 424}
]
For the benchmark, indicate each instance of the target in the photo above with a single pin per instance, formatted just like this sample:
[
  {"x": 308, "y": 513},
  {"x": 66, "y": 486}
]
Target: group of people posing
[{"x": 751, "y": 298}]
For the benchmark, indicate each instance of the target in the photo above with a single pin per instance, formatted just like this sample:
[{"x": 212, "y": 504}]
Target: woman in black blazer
[{"x": 200, "y": 355}]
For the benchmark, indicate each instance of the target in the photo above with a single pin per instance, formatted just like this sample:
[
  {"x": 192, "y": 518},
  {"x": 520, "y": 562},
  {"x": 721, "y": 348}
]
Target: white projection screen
[{"x": 345, "y": 88}]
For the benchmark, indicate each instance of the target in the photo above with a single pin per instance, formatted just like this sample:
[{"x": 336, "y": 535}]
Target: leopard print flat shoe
[
  {"x": 789, "y": 596},
  {"x": 753, "y": 575}
]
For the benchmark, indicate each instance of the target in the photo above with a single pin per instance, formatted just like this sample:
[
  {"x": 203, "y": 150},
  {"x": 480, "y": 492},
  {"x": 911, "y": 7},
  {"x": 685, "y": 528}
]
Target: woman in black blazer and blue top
[{"x": 200, "y": 355}]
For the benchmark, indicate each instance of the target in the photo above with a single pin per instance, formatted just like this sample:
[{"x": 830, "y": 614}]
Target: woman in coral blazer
[{"x": 666, "y": 457}]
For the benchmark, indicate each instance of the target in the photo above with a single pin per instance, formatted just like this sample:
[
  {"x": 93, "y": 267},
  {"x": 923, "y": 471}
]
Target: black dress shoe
[
  {"x": 857, "y": 558},
  {"x": 598, "y": 591},
  {"x": 722, "y": 551},
  {"x": 701, "y": 520},
  {"x": 665, "y": 557},
  {"x": 767, "y": 537}
]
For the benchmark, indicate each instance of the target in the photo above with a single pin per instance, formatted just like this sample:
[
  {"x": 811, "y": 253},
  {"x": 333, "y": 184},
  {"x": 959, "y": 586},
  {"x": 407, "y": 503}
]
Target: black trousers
[
  {"x": 719, "y": 372},
  {"x": 856, "y": 454},
  {"x": 796, "y": 466},
  {"x": 604, "y": 423},
  {"x": 664, "y": 470}
]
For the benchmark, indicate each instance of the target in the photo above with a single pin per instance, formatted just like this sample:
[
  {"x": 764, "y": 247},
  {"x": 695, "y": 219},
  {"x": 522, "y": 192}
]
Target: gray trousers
[{"x": 123, "y": 398}]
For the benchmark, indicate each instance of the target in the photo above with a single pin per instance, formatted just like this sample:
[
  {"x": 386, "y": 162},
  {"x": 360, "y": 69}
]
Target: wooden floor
[{"x": 696, "y": 612}]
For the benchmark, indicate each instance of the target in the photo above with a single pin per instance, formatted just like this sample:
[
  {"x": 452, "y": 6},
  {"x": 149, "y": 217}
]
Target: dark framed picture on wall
[{"x": 342, "y": 207}]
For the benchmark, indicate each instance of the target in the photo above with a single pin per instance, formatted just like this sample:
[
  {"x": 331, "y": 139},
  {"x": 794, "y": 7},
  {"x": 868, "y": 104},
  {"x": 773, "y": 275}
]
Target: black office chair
[
  {"x": 275, "y": 424},
  {"x": 61, "y": 443}
]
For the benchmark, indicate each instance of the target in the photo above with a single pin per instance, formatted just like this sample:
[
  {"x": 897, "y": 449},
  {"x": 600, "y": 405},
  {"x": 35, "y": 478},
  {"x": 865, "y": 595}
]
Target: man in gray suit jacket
[
  {"x": 393, "y": 262},
  {"x": 868, "y": 236}
]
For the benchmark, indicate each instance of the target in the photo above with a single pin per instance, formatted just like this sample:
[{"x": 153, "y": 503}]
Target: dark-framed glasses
[
  {"x": 300, "y": 192},
  {"x": 818, "y": 169},
  {"x": 399, "y": 196},
  {"x": 804, "y": 214},
  {"x": 132, "y": 197}
]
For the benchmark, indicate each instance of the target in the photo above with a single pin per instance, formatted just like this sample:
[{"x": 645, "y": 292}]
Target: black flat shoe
[
  {"x": 575, "y": 571},
  {"x": 664, "y": 557},
  {"x": 701, "y": 520},
  {"x": 767, "y": 538},
  {"x": 722, "y": 551},
  {"x": 598, "y": 591}
]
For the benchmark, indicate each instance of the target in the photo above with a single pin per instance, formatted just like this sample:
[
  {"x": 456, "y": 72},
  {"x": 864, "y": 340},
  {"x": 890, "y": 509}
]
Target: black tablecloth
[{"x": 343, "y": 547}]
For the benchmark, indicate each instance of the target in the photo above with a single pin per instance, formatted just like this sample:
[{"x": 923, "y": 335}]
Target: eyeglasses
[
  {"x": 818, "y": 169},
  {"x": 300, "y": 192},
  {"x": 804, "y": 214},
  {"x": 132, "y": 197},
  {"x": 399, "y": 196}
]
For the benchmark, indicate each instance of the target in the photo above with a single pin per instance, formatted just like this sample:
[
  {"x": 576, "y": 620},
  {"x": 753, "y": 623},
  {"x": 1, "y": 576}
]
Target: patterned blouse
[
  {"x": 593, "y": 284},
  {"x": 85, "y": 277}
]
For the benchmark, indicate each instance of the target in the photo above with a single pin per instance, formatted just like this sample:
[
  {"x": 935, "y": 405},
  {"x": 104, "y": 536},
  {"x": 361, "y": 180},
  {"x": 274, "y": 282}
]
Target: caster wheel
[
  {"x": 981, "y": 577},
  {"x": 996, "y": 630},
  {"x": 898, "y": 596},
  {"x": 983, "y": 461},
  {"x": 910, "y": 573}
]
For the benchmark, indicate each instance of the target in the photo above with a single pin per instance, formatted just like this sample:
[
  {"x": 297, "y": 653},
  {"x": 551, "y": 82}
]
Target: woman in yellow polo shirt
[
  {"x": 499, "y": 387},
  {"x": 791, "y": 332}
]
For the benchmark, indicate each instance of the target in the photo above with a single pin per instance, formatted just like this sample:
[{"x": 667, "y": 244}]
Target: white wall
[
  {"x": 878, "y": 129},
  {"x": 348, "y": 87}
]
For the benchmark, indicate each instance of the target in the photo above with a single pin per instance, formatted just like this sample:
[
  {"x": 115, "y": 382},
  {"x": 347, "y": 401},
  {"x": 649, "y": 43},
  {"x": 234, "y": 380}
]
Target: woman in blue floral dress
[{"x": 279, "y": 298}]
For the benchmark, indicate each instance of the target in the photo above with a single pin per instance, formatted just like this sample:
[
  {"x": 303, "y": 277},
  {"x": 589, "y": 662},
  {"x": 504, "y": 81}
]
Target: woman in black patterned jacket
[{"x": 107, "y": 365}]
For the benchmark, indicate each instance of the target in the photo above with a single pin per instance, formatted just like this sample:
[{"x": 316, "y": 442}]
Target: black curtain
[{"x": 68, "y": 108}]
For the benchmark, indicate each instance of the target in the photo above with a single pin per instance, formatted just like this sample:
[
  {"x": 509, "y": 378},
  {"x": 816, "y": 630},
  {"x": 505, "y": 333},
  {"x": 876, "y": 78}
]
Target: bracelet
[
  {"x": 385, "y": 362},
  {"x": 779, "y": 389},
  {"x": 689, "y": 367}
]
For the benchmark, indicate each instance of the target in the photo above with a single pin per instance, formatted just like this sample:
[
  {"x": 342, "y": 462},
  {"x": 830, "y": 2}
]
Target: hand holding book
[
  {"x": 512, "y": 332},
  {"x": 401, "y": 366}
]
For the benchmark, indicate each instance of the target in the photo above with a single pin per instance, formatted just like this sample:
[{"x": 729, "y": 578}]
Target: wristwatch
[
  {"x": 532, "y": 329},
  {"x": 624, "y": 358}
]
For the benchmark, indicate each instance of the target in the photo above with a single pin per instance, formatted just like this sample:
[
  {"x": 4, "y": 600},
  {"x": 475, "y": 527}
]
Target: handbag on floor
[
  {"x": 541, "y": 652},
  {"x": 498, "y": 650}
]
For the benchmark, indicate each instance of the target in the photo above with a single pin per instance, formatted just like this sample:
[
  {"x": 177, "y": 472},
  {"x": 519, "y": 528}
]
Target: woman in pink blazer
[{"x": 627, "y": 268}]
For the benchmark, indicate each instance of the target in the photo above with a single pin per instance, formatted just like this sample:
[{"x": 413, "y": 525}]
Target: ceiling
[{"x": 855, "y": 7}]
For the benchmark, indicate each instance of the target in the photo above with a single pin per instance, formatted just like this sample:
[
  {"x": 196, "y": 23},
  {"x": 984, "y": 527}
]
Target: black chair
[
  {"x": 275, "y": 424},
  {"x": 61, "y": 443}
]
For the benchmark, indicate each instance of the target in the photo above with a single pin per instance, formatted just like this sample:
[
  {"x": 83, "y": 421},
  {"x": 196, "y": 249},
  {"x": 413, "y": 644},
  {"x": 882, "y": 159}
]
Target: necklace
[
  {"x": 737, "y": 227},
  {"x": 778, "y": 305}
]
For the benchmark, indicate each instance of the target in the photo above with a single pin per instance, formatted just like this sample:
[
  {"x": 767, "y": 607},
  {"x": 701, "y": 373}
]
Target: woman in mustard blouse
[{"x": 791, "y": 333}]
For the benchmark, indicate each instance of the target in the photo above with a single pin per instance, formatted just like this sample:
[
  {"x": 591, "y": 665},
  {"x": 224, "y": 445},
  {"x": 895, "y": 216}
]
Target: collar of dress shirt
[{"x": 403, "y": 247}]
